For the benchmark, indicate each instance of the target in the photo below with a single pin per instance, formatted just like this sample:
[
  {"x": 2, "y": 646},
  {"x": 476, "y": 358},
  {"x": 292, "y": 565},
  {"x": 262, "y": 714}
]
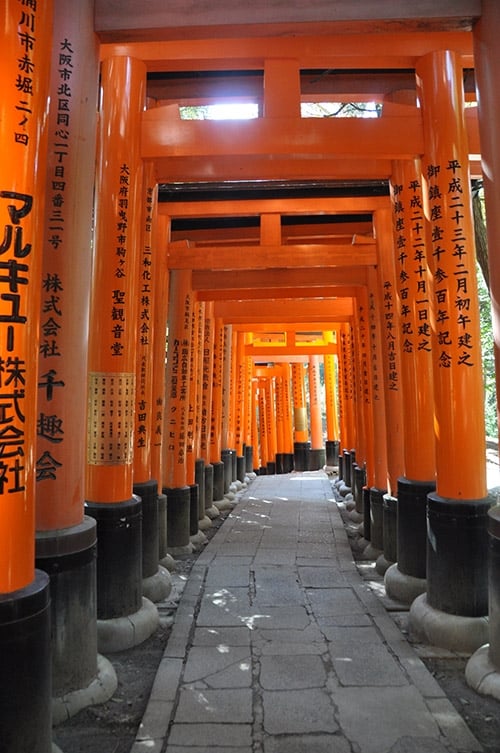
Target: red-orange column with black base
[
  {"x": 412, "y": 297},
  {"x": 452, "y": 613},
  {"x": 156, "y": 583},
  {"x": 317, "y": 453},
  {"x": 161, "y": 285},
  {"x": 301, "y": 444},
  {"x": 175, "y": 478},
  {"x": 112, "y": 360},
  {"x": 215, "y": 419},
  {"x": 66, "y": 539},
  {"x": 391, "y": 371},
  {"x": 332, "y": 444},
  {"x": 25, "y": 684}
]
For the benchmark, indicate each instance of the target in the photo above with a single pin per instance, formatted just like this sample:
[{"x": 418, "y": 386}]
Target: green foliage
[{"x": 487, "y": 347}]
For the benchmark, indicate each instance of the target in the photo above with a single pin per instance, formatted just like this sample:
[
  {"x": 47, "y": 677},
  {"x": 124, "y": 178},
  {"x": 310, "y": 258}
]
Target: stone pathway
[{"x": 279, "y": 647}]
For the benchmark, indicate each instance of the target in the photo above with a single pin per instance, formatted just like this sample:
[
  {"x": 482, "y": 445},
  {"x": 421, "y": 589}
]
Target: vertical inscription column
[
  {"x": 112, "y": 357},
  {"x": 25, "y": 692},
  {"x": 332, "y": 417},
  {"x": 175, "y": 481},
  {"x": 301, "y": 443},
  {"x": 317, "y": 456},
  {"x": 156, "y": 584},
  {"x": 457, "y": 593},
  {"x": 66, "y": 539},
  {"x": 391, "y": 368},
  {"x": 407, "y": 579}
]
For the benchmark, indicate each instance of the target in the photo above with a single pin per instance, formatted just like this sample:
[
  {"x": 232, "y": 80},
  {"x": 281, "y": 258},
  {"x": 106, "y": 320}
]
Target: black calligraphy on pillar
[
  {"x": 14, "y": 276},
  {"x": 145, "y": 319},
  {"x": 24, "y": 83},
  {"x": 452, "y": 265},
  {"x": 118, "y": 303},
  {"x": 50, "y": 427},
  {"x": 377, "y": 383},
  {"x": 390, "y": 336},
  {"x": 363, "y": 341}
]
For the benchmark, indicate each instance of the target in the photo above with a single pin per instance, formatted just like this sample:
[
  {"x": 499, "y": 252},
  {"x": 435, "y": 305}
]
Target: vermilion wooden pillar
[
  {"x": 257, "y": 449},
  {"x": 263, "y": 426},
  {"x": 156, "y": 580},
  {"x": 216, "y": 412},
  {"x": 483, "y": 669},
  {"x": 240, "y": 406},
  {"x": 347, "y": 378},
  {"x": 331, "y": 397},
  {"x": 391, "y": 362},
  {"x": 288, "y": 457},
  {"x": 175, "y": 469},
  {"x": 406, "y": 581},
  {"x": 112, "y": 359},
  {"x": 272, "y": 438},
  {"x": 249, "y": 408},
  {"x": 227, "y": 449},
  {"x": 300, "y": 417},
  {"x": 160, "y": 309},
  {"x": 317, "y": 454},
  {"x": 206, "y": 408},
  {"x": 363, "y": 394},
  {"x": 378, "y": 486},
  {"x": 66, "y": 539},
  {"x": 457, "y": 512},
  {"x": 25, "y": 711}
]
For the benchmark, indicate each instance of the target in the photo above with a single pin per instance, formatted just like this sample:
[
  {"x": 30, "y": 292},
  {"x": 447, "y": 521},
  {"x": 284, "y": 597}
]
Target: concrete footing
[
  {"x": 482, "y": 675},
  {"x": 98, "y": 691},
  {"x": 158, "y": 586},
  {"x": 402, "y": 587},
  {"x": 450, "y": 631},
  {"x": 122, "y": 633}
]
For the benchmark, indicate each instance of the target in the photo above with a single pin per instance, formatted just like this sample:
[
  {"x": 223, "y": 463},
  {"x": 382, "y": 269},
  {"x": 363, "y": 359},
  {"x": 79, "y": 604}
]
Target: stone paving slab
[{"x": 279, "y": 646}]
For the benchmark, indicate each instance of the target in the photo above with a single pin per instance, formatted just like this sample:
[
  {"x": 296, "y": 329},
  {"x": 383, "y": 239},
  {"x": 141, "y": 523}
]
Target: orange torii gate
[{"x": 323, "y": 265}]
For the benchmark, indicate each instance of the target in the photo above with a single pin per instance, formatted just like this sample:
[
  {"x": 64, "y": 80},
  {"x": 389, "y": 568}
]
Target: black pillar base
[
  {"x": 178, "y": 516},
  {"x": 359, "y": 480},
  {"x": 412, "y": 526},
  {"x": 332, "y": 452},
  {"x": 367, "y": 533},
  {"x": 119, "y": 556},
  {"x": 240, "y": 468},
  {"x": 148, "y": 493},
  {"x": 162, "y": 526},
  {"x": 218, "y": 486},
  {"x": 288, "y": 462},
  {"x": 300, "y": 455},
  {"x": 68, "y": 556},
  {"x": 390, "y": 525},
  {"x": 271, "y": 468},
  {"x": 209, "y": 485},
  {"x": 347, "y": 466},
  {"x": 199, "y": 478},
  {"x": 234, "y": 471},
  {"x": 227, "y": 461},
  {"x": 194, "y": 500},
  {"x": 457, "y": 562},
  {"x": 248, "y": 458},
  {"x": 279, "y": 462},
  {"x": 376, "y": 517},
  {"x": 25, "y": 690},
  {"x": 316, "y": 459}
]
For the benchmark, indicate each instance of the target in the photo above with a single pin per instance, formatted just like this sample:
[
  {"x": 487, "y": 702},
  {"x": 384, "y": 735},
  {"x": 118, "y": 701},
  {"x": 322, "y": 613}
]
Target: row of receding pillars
[{"x": 91, "y": 417}]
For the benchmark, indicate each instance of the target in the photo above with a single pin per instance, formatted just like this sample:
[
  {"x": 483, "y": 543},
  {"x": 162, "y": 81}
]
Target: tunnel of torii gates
[{"x": 181, "y": 331}]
